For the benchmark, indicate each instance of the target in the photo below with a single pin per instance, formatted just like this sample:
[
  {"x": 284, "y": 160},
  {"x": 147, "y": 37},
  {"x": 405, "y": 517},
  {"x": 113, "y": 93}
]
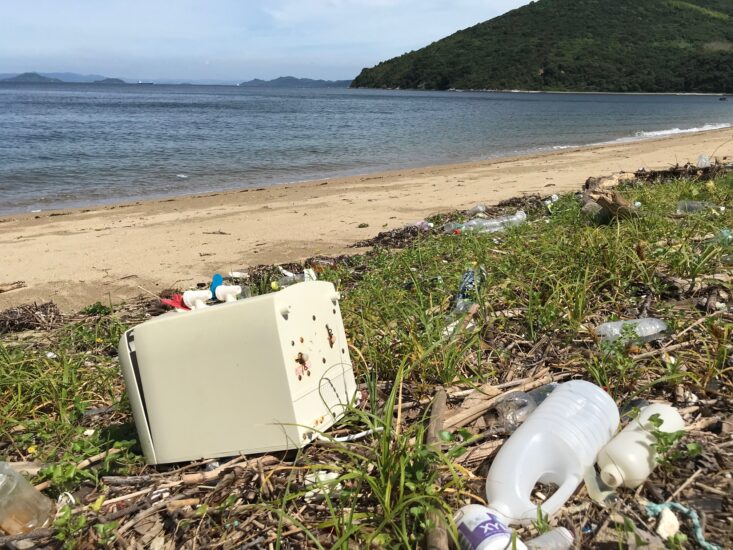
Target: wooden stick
[
  {"x": 83, "y": 464},
  {"x": 436, "y": 537}
]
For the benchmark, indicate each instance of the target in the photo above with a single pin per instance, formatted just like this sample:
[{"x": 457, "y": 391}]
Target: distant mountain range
[
  {"x": 281, "y": 82},
  {"x": 48, "y": 78},
  {"x": 578, "y": 45},
  {"x": 292, "y": 82}
]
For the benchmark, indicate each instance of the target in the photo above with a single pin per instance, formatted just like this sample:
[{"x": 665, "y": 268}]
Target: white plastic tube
[
  {"x": 196, "y": 299},
  {"x": 228, "y": 293}
]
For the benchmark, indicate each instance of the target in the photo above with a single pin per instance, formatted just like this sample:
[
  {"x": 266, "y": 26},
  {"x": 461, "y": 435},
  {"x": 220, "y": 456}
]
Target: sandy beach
[{"x": 76, "y": 257}]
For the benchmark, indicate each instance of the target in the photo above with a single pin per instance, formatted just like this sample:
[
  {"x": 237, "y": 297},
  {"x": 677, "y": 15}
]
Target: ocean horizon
[{"x": 76, "y": 145}]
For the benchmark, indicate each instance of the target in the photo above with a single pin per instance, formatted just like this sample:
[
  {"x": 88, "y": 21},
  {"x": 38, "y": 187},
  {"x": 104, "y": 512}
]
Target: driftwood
[{"x": 436, "y": 537}]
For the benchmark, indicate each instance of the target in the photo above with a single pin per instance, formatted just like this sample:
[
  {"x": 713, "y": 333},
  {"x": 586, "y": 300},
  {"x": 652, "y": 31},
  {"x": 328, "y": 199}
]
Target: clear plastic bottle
[
  {"x": 556, "y": 444},
  {"x": 22, "y": 507},
  {"x": 647, "y": 329},
  {"x": 481, "y": 225},
  {"x": 688, "y": 207},
  {"x": 629, "y": 458},
  {"x": 289, "y": 278},
  {"x": 515, "y": 407}
]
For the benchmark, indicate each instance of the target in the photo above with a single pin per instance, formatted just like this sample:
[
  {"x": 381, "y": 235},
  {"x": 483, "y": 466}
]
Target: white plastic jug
[
  {"x": 556, "y": 444},
  {"x": 629, "y": 458}
]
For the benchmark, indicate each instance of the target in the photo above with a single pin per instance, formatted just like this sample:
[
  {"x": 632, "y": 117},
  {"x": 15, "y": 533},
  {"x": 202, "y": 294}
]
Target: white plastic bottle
[
  {"x": 557, "y": 539},
  {"x": 556, "y": 444},
  {"x": 629, "y": 458},
  {"x": 480, "y": 529}
]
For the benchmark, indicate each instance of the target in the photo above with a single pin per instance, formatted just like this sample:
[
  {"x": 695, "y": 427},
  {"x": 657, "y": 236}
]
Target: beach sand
[{"x": 76, "y": 257}]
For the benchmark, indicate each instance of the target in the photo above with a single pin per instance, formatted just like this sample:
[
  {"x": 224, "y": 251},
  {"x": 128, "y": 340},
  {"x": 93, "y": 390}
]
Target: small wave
[
  {"x": 674, "y": 131},
  {"x": 561, "y": 147}
]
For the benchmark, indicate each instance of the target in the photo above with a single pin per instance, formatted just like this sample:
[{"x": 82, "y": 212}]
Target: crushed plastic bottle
[
  {"x": 481, "y": 225},
  {"x": 22, "y": 507},
  {"x": 647, "y": 329},
  {"x": 293, "y": 278},
  {"x": 557, "y": 444},
  {"x": 471, "y": 280},
  {"x": 515, "y": 407},
  {"x": 689, "y": 207},
  {"x": 423, "y": 225},
  {"x": 480, "y": 208}
]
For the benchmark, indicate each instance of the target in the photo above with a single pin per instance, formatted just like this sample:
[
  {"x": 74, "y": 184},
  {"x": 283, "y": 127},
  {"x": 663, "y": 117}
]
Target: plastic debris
[
  {"x": 480, "y": 208},
  {"x": 655, "y": 510},
  {"x": 22, "y": 507},
  {"x": 557, "y": 539},
  {"x": 290, "y": 278},
  {"x": 690, "y": 207},
  {"x": 423, "y": 225},
  {"x": 668, "y": 525},
  {"x": 324, "y": 482},
  {"x": 556, "y": 444},
  {"x": 513, "y": 409},
  {"x": 479, "y": 528},
  {"x": 481, "y": 225},
  {"x": 647, "y": 329},
  {"x": 703, "y": 161},
  {"x": 629, "y": 458}
]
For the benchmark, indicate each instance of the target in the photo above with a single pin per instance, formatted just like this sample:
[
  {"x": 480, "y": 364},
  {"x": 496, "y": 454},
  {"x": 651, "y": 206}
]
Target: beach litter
[
  {"x": 481, "y": 225},
  {"x": 647, "y": 329},
  {"x": 22, "y": 507},
  {"x": 30, "y": 316}
]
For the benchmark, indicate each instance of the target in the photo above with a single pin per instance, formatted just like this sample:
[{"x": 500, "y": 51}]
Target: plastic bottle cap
[{"x": 612, "y": 475}]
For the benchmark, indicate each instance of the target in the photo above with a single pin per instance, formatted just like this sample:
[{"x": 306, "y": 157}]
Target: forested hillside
[{"x": 583, "y": 45}]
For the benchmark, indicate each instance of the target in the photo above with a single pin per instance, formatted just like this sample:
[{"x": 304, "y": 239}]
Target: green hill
[{"x": 581, "y": 45}]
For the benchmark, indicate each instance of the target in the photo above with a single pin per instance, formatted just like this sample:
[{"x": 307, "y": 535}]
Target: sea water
[{"x": 66, "y": 145}]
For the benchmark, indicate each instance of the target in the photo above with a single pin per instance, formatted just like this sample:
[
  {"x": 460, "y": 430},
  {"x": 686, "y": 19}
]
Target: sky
[{"x": 225, "y": 40}]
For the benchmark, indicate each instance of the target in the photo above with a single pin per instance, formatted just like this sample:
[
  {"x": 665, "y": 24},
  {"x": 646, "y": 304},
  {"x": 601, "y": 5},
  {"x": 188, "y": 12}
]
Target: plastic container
[
  {"x": 556, "y": 444},
  {"x": 22, "y": 507},
  {"x": 647, "y": 329},
  {"x": 557, "y": 539},
  {"x": 513, "y": 410},
  {"x": 629, "y": 458},
  {"x": 480, "y": 208},
  {"x": 480, "y": 529},
  {"x": 293, "y": 278}
]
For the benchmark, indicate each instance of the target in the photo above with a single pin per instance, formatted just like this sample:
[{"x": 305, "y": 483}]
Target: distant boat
[{"x": 723, "y": 98}]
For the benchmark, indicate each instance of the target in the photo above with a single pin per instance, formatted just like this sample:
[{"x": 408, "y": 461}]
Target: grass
[{"x": 547, "y": 284}]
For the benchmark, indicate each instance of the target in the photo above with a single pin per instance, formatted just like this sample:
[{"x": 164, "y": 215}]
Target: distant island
[
  {"x": 31, "y": 78},
  {"x": 50, "y": 78},
  {"x": 110, "y": 81},
  {"x": 293, "y": 82},
  {"x": 577, "y": 45}
]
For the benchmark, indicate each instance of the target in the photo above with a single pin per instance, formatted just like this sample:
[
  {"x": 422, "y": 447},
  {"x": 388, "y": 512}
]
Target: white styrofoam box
[{"x": 263, "y": 374}]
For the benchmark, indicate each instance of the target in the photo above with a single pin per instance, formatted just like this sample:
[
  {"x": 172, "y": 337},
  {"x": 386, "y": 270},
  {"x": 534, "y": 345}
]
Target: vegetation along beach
[{"x": 516, "y": 220}]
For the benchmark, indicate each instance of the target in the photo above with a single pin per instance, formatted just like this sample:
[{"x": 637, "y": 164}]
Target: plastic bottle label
[{"x": 476, "y": 530}]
